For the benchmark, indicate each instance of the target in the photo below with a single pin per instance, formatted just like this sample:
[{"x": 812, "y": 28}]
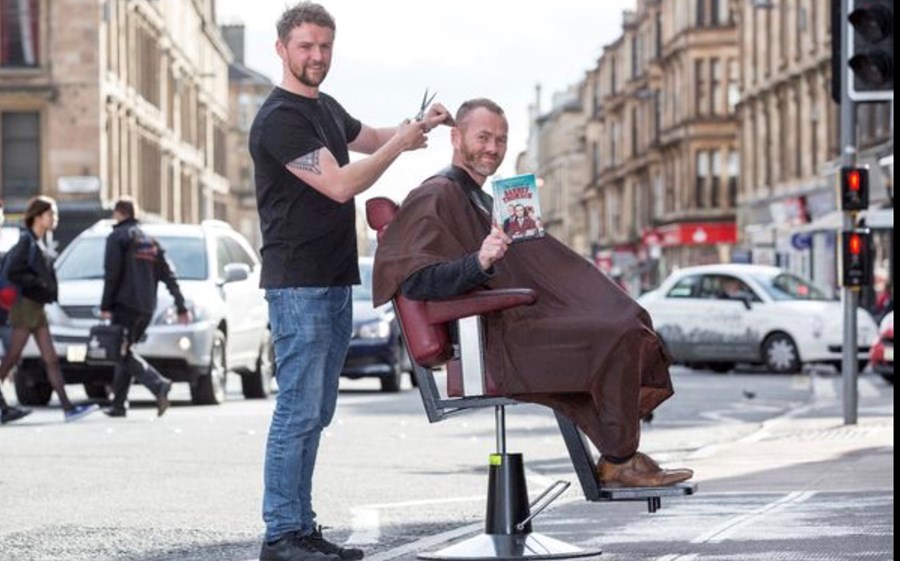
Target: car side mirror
[
  {"x": 748, "y": 303},
  {"x": 235, "y": 272}
]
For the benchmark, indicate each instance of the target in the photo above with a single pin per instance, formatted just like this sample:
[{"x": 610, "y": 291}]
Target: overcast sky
[{"x": 387, "y": 52}]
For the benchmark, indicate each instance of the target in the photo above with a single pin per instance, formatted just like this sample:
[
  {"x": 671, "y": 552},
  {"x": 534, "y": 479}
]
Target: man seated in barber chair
[{"x": 586, "y": 349}]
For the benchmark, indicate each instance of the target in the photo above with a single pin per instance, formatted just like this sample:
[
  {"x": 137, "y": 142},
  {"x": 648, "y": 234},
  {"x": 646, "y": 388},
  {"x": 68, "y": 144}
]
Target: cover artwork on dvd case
[{"x": 517, "y": 208}]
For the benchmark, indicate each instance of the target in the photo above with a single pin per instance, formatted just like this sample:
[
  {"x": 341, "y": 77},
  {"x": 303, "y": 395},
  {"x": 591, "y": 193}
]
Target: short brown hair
[
  {"x": 473, "y": 104},
  {"x": 36, "y": 207},
  {"x": 304, "y": 12},
  {"x": 126, "y": 207}
]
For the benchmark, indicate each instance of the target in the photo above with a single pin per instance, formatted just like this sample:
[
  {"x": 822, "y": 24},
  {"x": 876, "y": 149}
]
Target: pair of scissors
[{"x": 426, "y": 101}]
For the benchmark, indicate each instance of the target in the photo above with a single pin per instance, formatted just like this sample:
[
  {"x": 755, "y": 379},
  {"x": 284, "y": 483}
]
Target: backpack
[{"x": 9, "y": 291}]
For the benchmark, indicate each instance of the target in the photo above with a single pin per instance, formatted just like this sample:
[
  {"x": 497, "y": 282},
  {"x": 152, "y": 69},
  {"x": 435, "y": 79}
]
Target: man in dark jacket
[
  {"x": 585, "y": 348},
  {"x": 135, "y": 263}
]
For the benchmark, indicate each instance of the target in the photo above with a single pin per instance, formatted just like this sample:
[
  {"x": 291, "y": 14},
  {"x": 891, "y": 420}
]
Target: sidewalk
[{"x": 803, "y": 486}]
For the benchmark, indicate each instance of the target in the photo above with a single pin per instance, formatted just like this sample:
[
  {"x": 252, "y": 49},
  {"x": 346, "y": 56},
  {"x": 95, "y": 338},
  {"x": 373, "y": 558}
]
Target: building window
[
  {"x": 658, "y": 30},
  {"x": 20, "y": 151},
  {"x": 635, "y": 56},
  {"x": 612, "y": 77},
  {"x": 784, "y": 38},
  {"x": 658, "y": 198},
  {"x": 814, "y": 132},
  {"x": 657, "y": 115},
  {"x": 725, "y": 15},
  {"x": 634, "y": 132},
  {"x": 700, "y": 86},
  {"x": 734, "y": 172},
  {"x": 716, "y": 174},
  {"x": 19, "y": 33},
  {"x": 715, "y": 80},
  {"x": 700, "y": 14},
  {"x": 614, "y": 143},
  {"x": 700, "y": 181},
  {"x": 734, "y": 80}
]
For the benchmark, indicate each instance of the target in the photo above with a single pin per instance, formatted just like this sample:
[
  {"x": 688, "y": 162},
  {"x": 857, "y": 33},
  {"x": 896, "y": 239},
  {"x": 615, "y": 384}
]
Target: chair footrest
[{"x": 643, "y": 493}]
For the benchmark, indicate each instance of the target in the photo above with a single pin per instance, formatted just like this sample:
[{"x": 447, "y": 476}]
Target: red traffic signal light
[
  {"x": 853, "y": 180},
  {"x": 854, "y": 244},
  {"x": 870, "y": 50},
  {"x": 856, "y": 258},
  {"x": 854, "y": 188}
]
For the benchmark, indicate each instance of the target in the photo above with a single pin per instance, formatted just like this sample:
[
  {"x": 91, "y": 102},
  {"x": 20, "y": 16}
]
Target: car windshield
[
  {"x": 363, "y": 292},
  {"x": 84, "y": 260},
  {"x": 786, "y": 286}
]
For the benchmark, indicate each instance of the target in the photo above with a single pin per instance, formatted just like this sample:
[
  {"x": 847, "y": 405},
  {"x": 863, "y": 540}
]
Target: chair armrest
[{"x": 477, "y": 303}]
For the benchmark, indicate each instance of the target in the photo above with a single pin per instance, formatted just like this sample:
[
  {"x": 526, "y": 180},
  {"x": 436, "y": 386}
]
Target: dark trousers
[{"x": 132, "y": 364}]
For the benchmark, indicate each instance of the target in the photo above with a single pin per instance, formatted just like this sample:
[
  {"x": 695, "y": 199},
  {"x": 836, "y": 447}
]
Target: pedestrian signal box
[
  {"x": 854, "y": 187},
  {"x": 856, "y": 258}
]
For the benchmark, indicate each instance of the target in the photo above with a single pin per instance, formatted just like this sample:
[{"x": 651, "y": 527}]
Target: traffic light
[
  {"x": 870, "y": 50},
  {"x": 856, "y": 258},
  {"x": 854, "y": 188}
]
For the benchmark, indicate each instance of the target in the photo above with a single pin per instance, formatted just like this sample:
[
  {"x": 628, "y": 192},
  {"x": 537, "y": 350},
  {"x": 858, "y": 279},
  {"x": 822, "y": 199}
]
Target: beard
[
  {"x": 473, "y": 161},
  {"x": 302, "y": 74}
]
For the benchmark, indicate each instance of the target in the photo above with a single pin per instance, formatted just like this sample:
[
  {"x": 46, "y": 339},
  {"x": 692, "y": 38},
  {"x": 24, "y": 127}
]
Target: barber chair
[{"x": 426, "y": 327}]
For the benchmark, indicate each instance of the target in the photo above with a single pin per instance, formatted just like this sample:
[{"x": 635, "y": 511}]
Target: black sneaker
[
  {"x": 344, "y": 553},
  {"x": 11, "y": 414},
  {"x": 293, "y": 547},
  {"x": 115, "y": 412}
]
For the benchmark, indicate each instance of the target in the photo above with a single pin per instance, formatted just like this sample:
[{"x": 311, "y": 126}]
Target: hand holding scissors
[
  {"x": 434, "y": 115},
  {"x": 426, "y": 101}
]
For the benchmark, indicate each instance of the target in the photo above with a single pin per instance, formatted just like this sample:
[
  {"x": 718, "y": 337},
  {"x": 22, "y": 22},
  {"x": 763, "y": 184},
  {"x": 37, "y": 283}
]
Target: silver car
[{"x": 218, "y": 272}]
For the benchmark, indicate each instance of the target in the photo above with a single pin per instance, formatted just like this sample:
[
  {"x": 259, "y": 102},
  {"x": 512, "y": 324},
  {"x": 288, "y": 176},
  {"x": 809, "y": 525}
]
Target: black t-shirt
[{"x": 308, "y": 239}]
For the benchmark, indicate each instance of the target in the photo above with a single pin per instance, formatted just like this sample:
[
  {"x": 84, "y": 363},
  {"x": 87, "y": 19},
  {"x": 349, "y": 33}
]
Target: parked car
[
  {"x": 717, "y": 315},
  {"x": 881, "y": 358},
  {"x": 218, "y": 272},
  {"x": 376, "y": 346}
]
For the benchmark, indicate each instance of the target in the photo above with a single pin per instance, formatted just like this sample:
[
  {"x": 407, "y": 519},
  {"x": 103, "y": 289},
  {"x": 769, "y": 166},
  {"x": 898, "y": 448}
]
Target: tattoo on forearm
[{"x": 307, "y": 162}]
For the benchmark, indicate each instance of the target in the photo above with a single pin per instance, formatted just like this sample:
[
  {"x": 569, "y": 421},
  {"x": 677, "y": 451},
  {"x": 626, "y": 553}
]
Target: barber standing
[
  {"x": 305, "y": 184},
  {"x": 135, "y": 263}
]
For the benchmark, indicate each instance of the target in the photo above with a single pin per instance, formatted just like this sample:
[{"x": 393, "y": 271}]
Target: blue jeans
[{"x": 311, "y": 329}]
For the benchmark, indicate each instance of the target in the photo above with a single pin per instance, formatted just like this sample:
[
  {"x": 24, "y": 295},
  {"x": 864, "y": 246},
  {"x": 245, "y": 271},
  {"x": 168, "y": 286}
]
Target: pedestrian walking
[
  {"x": 134, "y": 265},
  {"x": 29, "y": 266},
  {"x": 305, "y": 184}
]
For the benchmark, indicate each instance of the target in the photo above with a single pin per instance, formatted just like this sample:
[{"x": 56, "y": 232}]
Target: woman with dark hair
[{"x": 31, "y": 270}]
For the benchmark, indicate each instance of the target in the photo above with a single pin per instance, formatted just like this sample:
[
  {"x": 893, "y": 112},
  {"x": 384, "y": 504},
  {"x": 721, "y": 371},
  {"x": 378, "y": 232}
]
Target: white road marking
[
  {"x": 823, "y": 388},
  {"x": 867, "y": 388},
  {"x": 678, "y": 557},
  {"x": 426, "y": 543},
  {"x": 366, "y": 525},
  {"x": 726, "y": 529}
]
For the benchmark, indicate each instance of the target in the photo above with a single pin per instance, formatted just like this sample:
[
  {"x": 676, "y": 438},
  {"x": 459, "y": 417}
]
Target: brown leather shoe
[{"x": 639, "y": 471}]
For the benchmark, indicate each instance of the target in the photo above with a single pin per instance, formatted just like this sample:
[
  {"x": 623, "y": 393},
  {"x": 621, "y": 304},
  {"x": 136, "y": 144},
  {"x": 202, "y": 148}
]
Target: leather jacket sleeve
[{"x": 165, "y": 274}]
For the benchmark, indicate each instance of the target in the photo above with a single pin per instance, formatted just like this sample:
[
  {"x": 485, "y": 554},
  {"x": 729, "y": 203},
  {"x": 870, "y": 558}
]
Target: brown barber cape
[{"x": 585, "y": 349}]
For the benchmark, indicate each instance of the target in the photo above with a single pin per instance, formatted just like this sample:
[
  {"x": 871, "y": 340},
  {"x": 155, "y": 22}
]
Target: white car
[
  {"x": 218, "y": 273},
  {"x": 719, "y": 315}
]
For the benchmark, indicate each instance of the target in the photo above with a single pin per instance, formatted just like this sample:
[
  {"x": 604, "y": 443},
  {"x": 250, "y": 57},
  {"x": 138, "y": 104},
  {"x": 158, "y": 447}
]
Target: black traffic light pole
[{"x": 849, "y": 296}]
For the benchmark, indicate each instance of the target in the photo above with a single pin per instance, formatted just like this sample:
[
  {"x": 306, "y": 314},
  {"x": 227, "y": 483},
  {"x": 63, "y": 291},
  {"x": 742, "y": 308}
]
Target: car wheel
[
  {"x": 209, "y": 389},
  {"x": 258, "y": 384},
  {"x": 392, "y": 382},
  {"x": 781, "y": 354},
  {"x": 32, "y": 387},
  {"x": 96, "y": 390}
]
